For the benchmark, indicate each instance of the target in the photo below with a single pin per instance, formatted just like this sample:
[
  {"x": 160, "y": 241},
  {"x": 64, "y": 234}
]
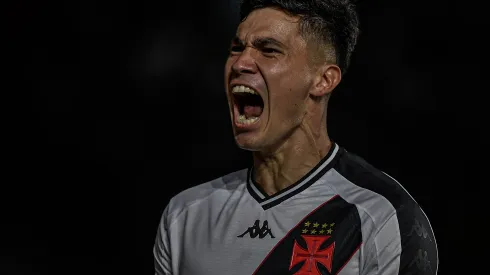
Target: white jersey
[{"x": 343, "y": 217}]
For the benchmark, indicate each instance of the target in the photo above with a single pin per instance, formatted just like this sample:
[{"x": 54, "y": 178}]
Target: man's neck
[{"x": 298, "y": 155}]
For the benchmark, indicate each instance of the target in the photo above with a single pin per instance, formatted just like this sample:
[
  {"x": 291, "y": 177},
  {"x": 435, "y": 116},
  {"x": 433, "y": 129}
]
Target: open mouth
[{"x": 248, "y": 103}]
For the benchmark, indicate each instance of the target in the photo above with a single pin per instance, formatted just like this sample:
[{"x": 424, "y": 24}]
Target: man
[{"x": 306, "y": 206}]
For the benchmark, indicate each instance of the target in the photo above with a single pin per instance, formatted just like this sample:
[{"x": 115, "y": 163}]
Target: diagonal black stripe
[{"x": 342, "y": 217}]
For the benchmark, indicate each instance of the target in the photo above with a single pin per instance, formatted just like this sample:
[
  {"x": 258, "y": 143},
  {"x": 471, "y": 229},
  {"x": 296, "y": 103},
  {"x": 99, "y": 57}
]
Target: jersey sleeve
[
  {"x": 406, "y": 245},
  {"x": 161, "y": 249}
]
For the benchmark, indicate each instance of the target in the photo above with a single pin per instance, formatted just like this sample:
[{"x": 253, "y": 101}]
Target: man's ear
[{"x": 327, "y": 79}]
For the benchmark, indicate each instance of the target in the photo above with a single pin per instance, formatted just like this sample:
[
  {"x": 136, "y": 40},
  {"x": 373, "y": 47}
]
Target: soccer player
[{"x": 306, "y": 205}]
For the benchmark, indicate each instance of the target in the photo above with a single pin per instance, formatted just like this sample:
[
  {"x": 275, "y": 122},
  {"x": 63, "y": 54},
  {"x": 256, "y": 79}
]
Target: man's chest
[{"x": 323, "y": 240}]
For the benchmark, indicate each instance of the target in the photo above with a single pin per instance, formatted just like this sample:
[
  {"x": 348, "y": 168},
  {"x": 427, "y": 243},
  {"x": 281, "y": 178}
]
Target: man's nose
[{"x": 245, "y": 63}]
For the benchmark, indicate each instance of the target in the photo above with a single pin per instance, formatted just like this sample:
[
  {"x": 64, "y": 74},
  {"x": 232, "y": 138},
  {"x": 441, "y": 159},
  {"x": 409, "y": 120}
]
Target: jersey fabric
[{"x": 343, "y": 217}]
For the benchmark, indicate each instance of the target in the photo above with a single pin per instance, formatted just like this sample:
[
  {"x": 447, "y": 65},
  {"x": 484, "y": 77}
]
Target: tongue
[{"x": 252, "y": 111}]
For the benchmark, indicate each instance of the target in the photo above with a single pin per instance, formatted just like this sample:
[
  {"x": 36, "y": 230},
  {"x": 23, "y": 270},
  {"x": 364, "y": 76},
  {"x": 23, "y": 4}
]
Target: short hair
[{"x": 332, "y": 22}]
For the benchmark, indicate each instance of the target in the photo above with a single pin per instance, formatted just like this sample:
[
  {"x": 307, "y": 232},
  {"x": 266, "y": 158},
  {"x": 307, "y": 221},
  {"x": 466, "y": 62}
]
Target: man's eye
[{"x": 269, "y": 50}]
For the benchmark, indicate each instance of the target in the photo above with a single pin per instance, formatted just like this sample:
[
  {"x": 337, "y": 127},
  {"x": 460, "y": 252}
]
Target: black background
[{"x": 112, "y": 107}]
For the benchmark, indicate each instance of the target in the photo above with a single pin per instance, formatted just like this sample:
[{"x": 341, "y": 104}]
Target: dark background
[{"x": 112, "y": 107}]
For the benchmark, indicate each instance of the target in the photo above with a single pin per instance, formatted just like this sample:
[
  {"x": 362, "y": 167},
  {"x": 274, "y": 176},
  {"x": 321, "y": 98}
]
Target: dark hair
[{"x": 334, "y": 22}]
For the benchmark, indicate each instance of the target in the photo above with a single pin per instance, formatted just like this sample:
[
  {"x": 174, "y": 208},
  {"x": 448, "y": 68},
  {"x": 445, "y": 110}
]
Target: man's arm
[
  {"x": 161, "y": 250},
  {"x": 406, "y": 244}
]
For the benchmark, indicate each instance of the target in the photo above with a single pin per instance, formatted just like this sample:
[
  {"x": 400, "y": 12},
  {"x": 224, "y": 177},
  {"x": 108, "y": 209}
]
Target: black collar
[{"x": 307, "y": 180}]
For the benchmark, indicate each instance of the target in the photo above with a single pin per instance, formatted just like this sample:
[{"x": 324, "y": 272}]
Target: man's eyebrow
[{"x": 260, "y": 42}]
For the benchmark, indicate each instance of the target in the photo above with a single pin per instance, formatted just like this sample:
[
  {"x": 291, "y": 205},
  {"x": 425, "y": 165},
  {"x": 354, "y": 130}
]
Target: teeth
[
  {"x": 242, "y": 119},
  {"x": 243, "y": 89}
]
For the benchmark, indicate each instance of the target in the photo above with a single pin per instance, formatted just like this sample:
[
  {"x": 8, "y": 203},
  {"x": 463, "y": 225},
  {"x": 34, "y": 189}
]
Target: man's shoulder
[
  {"x": 206, "y": 190},
  {"x": 405, "y": 217},
  {"x": 366, "y": 176}
]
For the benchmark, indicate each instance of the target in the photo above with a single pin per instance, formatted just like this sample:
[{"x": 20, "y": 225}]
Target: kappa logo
[{"x": 257, "y": 231}]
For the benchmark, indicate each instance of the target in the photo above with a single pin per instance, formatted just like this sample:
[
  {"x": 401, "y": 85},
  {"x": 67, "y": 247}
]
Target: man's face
[{"x": 268, "y": 56}]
